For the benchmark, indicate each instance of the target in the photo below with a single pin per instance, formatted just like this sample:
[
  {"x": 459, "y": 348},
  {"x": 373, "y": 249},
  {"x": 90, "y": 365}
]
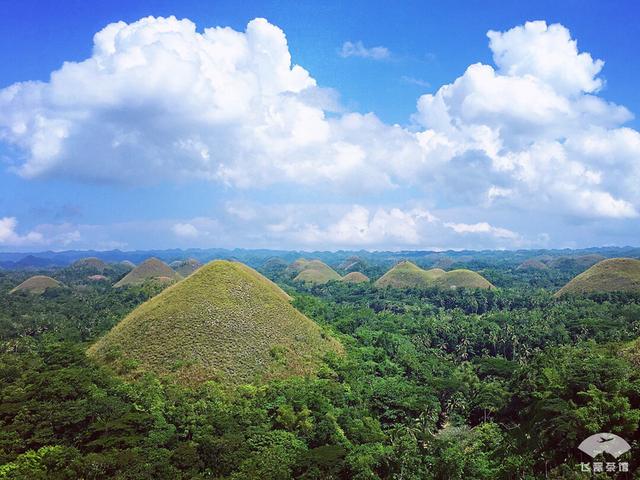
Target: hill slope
[
  {"x": 185, "y": 267},
  {"x": 37, "y": 285},
  {"x": 532, "y": 264},
  {"x": 407, "y": 275},
  {"x": 92, "y": 263},
  {"x": 225, "y": 321},
  {"x": 317, "y": 272},
  {"x": 150, "y": 269},
  {"x": 296, "y": 267},
  {"x": 355, "y": 277},
  {"x": 612, "y": 275}
]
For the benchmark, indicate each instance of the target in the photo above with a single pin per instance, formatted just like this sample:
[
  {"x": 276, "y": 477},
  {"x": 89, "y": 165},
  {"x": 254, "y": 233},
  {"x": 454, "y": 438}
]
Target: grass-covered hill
[
  {"x": 150, "y": 269},
  {"x": 532, "y": 264},
  {"x": 612, "y": 275},
  {"x": 408, "y": 275},
  {"x": 91, "y": 263},
  {"x": 296, "y": 267},
  {"x": 185, "y": 267},
  {"x": 352, "y": 264},
  {"x": 317, "y": 272},
  {"x": 224, "y": 322},
  {"x": 355, "y": 277},
  {"x": 37, "y": 285}
]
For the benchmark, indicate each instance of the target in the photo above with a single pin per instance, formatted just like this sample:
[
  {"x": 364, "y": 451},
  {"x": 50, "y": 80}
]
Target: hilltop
[
  {"x": 408, "y": 275},
  {"x": 37, "y": 285},
  {"x": 355, "y": 277},
  {"x": 296, "y": 267},
  {"x": 317, "y": 272},
  {"x": 532, "y": 264},
  {"x": 150, "y": 269},
  {"x": 352, "y": 263},
  {"x": 612, "y": 275},
  {"x": 91, "y": 263},
  {"x": 185, "y": 267},
  {"x": 225, "y": 321}
]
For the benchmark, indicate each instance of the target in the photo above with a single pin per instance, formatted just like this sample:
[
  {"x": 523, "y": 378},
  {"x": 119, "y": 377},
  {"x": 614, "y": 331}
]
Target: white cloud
[
  {"x": 483, "y": 227},
  {"x": 357, "y": 49},
  {"x": 359, "y": 226},
  {"x": 9, "y": 236},
  {"x": 159, "y": 101},
  {"x": 548, "y": 53},
  {"x": 534, "y": 126},
  {"x": 185, "y": 230}
]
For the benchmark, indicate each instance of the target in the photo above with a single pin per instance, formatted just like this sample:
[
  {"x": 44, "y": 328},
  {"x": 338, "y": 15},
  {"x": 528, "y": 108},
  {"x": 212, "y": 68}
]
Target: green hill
[
  {"x": 462, "y": 279},
  {"x": 579, "y": 262},
  {"x": 532, "y": 264},
  {"x": 317, "y": 272},
  {"x": 408, "y": 275},
  {"x": 150, "y": 269},
  {"x": 352, "y": 264},
  {"x": 296, "y": 267},
  {"x": 355, "y": 277},
  {"x": 91, "y": 263},
  {"x": 128, "y": 264},
  {"x": 37, "y": 285},
  {"x": 185, "y": 267},
  {"x": 612, "y": 275},
  {"x": 225, "y": 322}
]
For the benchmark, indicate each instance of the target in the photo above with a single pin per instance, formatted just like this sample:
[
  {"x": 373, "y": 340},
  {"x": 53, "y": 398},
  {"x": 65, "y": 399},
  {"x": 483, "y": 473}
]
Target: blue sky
[{"x": 353, "y": 151}]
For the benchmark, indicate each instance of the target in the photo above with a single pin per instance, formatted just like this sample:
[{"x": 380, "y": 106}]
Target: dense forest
[{"x": 434, "y": 384}]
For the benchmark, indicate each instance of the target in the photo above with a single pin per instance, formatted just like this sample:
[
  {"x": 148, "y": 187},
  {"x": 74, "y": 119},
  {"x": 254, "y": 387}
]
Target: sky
[{"x": 319, "y": 125}]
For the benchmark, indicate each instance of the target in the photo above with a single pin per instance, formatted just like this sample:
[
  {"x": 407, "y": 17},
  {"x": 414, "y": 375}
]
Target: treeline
[{"x": 434, "y": 385}]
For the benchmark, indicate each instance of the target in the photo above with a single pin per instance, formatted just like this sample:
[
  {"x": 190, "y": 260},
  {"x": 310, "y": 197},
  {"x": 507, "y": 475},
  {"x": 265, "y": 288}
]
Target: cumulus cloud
[
  {"x": 357, "y": 49},
  {"x": 483, "y": 227},
  {"x": 535, "y": 125},
  {"x": 9, "y": 236},
  {"x": 185, "y": 230},
  {"x": 158, "y": 100}
]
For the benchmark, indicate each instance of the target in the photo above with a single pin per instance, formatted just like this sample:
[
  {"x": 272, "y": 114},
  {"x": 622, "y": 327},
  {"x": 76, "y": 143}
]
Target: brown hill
[
  {"x": 317, "y": 272},
  {"x": 37, "y": 285},
  {"x": 225, "y": 322},
  {"x": 612, "y": 275},
  {"x": 150, "y": 269},
  {"x": 355, "y": 277}
]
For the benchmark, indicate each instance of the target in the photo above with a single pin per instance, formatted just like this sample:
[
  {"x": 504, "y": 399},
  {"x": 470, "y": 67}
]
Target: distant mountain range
[{"x": 257, "y": 257}]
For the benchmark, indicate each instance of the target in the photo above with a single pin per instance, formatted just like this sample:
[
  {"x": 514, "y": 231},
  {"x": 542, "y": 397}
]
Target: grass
[
  {"x": 296, "y": 267},
  {"x": 317, "y": 272},
  {"x": 355, "y": 277},
  {"x": 408, "y": 275},
  {"x": 91, "y": 262},
  {"x": 150, "y": 269},
  {"x": 532, "y": 264},
  {"x": 185, "y": 267},
  {"x": 612, "y": 275},
  {"x": 37, "y": 285},
  {"x": 224, "y": 322}
]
